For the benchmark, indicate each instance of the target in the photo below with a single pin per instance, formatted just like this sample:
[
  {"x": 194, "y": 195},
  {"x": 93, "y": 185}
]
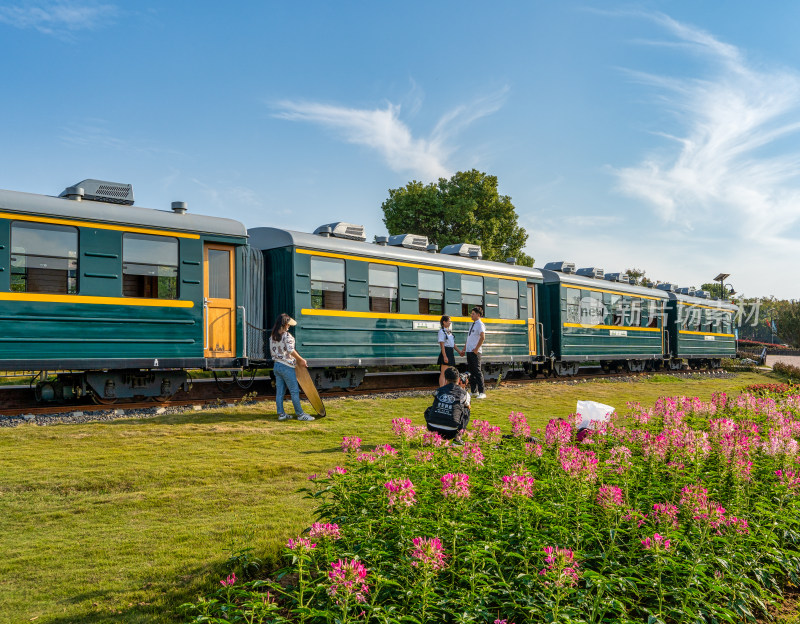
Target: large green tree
[{"x": 464, "y": 209}]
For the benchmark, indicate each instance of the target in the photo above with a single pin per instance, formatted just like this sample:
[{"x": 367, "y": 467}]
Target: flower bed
[{"x": 683, "y": 512}]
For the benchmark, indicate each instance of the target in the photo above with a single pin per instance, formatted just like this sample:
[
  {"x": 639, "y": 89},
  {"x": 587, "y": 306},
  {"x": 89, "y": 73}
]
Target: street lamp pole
[{"x": 721, "y": 279}]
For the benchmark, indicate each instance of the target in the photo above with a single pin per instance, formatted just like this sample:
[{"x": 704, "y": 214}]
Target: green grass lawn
[{"x": 123, "y": 521}]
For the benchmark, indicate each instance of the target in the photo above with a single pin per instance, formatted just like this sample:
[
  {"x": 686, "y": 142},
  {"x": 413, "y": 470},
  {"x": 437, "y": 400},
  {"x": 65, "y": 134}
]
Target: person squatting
[{"x": 449, "y": 414}]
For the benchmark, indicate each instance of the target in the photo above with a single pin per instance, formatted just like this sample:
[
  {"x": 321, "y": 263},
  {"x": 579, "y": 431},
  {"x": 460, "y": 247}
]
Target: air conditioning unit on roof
[
  {"x": 98, "y": 190},
  {"x": 340, "y": 229},
  {"x": 463, "y": 249},
  {"x": 409, "y": 241},
  {"x": 561, "y": 266},
  {"x": 618, "y": 277},
  {"x": 594, "y": 272}
]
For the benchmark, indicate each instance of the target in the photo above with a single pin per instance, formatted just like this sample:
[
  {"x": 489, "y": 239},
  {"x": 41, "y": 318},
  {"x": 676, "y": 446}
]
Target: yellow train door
[
  {"x": 531, "y": 320},
  {"x": 219, "y": 301}
]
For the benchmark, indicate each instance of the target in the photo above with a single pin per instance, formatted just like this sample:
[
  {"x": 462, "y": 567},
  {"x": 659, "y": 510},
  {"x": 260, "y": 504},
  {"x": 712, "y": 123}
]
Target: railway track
[{"x": 19, "y": 401}]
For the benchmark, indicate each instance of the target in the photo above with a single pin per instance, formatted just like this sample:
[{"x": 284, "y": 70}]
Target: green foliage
[
  {"x": 790, "y": 371},
  {"x": 467, "y": 208},
  {"x": 676, "y": 513}
]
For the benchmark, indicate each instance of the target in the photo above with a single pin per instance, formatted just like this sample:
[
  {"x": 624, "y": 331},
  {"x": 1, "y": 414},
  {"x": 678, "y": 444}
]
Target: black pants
[{"x": 475, "y": 372}]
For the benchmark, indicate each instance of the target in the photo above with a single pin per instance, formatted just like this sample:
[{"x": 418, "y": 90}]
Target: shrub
[
  {"x": 684, "y": 512},
  {"x": 738, "y": 365},
  {"x": 770, "y": 389},
  {"x": 792, "y": 372}
]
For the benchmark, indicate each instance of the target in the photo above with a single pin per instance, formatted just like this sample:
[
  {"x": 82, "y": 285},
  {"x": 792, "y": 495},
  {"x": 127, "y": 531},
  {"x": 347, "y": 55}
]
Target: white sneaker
[
  {"x": 284, "y": 417},
  {"x": 482, "y": 395},
  {"x": 305, "y": 417}
]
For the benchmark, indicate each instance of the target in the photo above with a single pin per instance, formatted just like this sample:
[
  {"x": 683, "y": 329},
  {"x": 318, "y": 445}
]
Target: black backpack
[{"x": 447, "y": 409}]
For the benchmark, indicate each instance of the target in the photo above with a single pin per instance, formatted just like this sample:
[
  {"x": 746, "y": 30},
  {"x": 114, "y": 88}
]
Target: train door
[
  {"x": 531, "y": 320},
  {"x": 219, "y": 303}
]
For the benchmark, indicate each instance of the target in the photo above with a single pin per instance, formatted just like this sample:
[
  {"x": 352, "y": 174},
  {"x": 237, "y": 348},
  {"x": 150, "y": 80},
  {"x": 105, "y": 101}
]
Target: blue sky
[{"x": 660, "y": 135}]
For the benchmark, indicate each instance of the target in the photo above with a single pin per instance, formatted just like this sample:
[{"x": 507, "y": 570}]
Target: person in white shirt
[
  {"x": 447, "y": 348},
  {"x": 475, "y": 338},
  {"x": 285, "y": 358}
]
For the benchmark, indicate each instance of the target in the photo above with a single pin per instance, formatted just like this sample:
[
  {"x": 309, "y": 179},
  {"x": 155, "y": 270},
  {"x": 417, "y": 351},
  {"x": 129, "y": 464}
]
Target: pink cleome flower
[
  {"x": 301, "y": 543},
  {"x": 403, "y": 428},
  {"x": 348, "y": 578},
  {"x": 487, "y": 432},
  {"x": 229, "y": 581},
  {"x": 385, "y": 450},
  {"x": 581, "y": 465},
  {"x": 560, "y": 565},
  {"x": 431, "y": 438},
  {"x": 401, "y": 492},
  {"x": 531, "y": 448},
  {"x": 424, "y": 456},
  {"x": 609, "y": 497},
  {"x": 366, "y": 457},
  {"x": 325, "y": 531},
  {"x": 455, "y": 485},
  {"x": 351, "y": 444},
  {"x": 337, "y": 470},
  {"x": 517, "y": 485},
  {"x": 428, "y": 553},
  {"x": 619, "y": 459},
  {"x": 557, "y": 433},
  {"x": 519, "y": 425},
  {"x": 472, "y": 453},
  {"x": 665, "y": 513},
  {"x": 658, "y": 543},
  {"x": 789, "y": 479}
]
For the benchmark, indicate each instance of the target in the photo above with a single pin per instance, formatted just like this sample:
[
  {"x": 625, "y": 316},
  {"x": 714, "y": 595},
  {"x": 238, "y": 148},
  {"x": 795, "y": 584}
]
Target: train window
[
  {"x": 654, "y": 313},
  {"x": 726, "y": 322},
  {"x": 608, "y": 315},
  {"x": 636, "y": 312},
  {"x": 573, "y": 305},
  {"x": 617, "y": 309},
  {"x": 509, "y": 299},
  {"x": 471, "y": 293},
  {"x": 382, "y": 288},
  {"x": 327, "y": 283},
  {"x": 431, "y": 292},
  {"x": 150, "y": 266},
  {"x": 44, "y": 258}
]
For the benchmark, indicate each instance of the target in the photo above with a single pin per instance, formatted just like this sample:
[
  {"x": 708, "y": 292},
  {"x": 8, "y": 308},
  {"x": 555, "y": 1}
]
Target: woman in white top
[
  {"x": 285, "y": 358},
  {"x": 447, "y": 346}
]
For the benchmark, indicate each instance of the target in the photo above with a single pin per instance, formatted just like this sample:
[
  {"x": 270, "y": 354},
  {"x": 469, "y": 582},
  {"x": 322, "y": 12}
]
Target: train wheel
[{"x": 102, "y": 400}]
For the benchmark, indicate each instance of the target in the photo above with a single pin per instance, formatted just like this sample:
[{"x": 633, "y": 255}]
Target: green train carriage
[
  {"x": 700, "y": 328},
  {"x": 120, "y": 300},
  {"x": 598, "y": 318},
  {"x": 362, "y": 305}
]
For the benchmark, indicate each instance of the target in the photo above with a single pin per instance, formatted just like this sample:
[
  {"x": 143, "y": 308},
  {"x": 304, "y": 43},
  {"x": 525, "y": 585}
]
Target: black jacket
[{"x": 449, "y": 407}]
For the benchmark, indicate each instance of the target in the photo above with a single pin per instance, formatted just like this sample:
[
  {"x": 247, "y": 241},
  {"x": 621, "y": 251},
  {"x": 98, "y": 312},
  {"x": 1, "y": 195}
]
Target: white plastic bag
[{"x": 591, "y": 411}]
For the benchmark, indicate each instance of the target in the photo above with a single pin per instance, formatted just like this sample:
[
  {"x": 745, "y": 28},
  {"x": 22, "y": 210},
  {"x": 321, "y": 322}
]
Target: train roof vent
[
  {"x": 594, "y": 272},
  {"x": 382, "y": 240},
  {"x": 340, "y": 229},
  {"x": 98, "y": 190},
  {"x": 687, "y": 291},
  {"x": 618, "y": 277},
  {"x": 560, "y": 266},
  {"x": 703, "y": 294},
  {"x": 463, "y": 249},
  {"x": 409, "y": 241},
  {"x": 667, "y": 286}
]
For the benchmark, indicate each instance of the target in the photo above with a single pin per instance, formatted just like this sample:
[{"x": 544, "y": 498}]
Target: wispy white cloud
[
  {"x": 729, "y": 161},
  {"x": 96, "y": 134},
  {"x": 384, "y": 131},
  {"x": 60, "y": 18}
]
